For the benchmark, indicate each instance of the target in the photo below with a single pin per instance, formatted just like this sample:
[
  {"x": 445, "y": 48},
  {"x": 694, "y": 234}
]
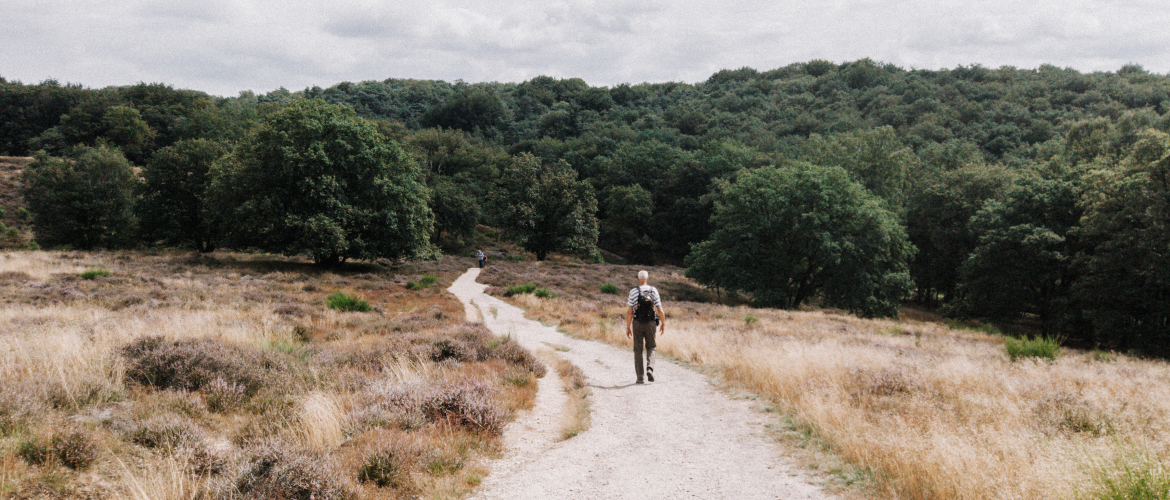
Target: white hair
[{"x": 643, "y": 275}]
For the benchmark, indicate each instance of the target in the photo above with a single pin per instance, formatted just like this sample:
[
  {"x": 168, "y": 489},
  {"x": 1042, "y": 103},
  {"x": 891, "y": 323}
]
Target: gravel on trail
[{"x": 677, "y": 437}]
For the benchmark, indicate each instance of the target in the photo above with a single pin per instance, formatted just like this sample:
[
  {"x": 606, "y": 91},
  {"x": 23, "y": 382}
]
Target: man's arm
[
  {"x": 629, "y": 322},
  {"x": 661, "y": 320}
]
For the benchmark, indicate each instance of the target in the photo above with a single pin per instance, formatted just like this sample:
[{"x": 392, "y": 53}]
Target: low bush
[
  {"x": 277, "y": 470},
  {"x": 94, "y": 272},
  {"x": 389, "y": 465},
  {"x": 425, "y": 281},
  {"x": 192, "y": 364},
  {"x": 609, "y": 288},
  {"x": 222, "y": 396},
  {"x": 74, "y": 449},
  {"x": 540, "y": 291},
  {"x": 1036, "y": 347},
  {"x": 514, "y": 353},
  {"x": 165, "y": 432},
  {"x": 34, "y": 451},
  {"x": 347, "y": 303},
  {"x": 464, "y": 404},
  {"x": 520, "y": 289}
]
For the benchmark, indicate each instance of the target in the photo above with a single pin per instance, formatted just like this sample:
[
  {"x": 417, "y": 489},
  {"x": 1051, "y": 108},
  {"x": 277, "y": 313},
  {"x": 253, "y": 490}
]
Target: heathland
[
  {"x": 908, "y": 408},
  {"x": 166, "y": 375}
]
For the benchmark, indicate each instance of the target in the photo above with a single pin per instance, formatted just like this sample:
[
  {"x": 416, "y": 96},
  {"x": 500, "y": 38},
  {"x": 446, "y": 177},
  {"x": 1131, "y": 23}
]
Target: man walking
[{"x": 644, "y": 314}]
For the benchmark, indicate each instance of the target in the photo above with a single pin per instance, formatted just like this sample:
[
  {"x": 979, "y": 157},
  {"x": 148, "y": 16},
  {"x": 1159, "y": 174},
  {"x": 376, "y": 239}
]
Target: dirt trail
[{"x": 677, "y": 437}]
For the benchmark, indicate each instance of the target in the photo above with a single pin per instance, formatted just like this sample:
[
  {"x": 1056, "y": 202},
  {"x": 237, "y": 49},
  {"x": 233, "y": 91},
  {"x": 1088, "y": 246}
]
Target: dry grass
[
  {"x": 928, "y": 411},
  {"x": 577, "y": 409},
  {"x": 226, "y": 376}
]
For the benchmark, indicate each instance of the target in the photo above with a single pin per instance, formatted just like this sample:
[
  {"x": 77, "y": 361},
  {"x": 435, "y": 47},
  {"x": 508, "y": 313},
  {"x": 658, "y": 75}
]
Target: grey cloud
[{"x": 223, "y": 46}]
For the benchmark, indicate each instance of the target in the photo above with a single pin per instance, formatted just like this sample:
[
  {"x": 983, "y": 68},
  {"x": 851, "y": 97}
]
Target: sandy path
[{"x": 674, "y": 438}]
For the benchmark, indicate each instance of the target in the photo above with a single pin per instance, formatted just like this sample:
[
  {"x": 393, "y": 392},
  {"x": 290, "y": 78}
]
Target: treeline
[{"x": 1037, "y": 197}]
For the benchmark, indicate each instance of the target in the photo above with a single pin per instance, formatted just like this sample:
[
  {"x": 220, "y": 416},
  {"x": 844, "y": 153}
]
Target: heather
[{"x": 230, "y": 376}]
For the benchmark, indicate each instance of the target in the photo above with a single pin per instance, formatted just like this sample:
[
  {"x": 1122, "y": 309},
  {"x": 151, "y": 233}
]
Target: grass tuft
[
  {"x": 520, "y": 289},
  {"x": 347, "y": 303},
  {"x": 609, "y": 288},
  {"x": 1036, "y": 347},
  {"x": 94, "y": 272},
  {"x": 531, "y": 288},
  {"x": 1133, "y": 474},
  {"x": 425, "y": 281}
]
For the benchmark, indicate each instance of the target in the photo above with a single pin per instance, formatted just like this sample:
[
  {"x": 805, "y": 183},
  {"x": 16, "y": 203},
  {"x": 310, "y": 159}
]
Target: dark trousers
[
  {"x": 644, "y": 337},
  {"x": 481, "y": 262}
]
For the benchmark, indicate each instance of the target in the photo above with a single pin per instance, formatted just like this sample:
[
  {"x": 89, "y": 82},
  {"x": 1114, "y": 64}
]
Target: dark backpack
[{"x": 644, "y": 308}]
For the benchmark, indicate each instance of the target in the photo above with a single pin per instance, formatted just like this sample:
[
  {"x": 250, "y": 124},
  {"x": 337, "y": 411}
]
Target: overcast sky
[{"x": 225, "y": 46}]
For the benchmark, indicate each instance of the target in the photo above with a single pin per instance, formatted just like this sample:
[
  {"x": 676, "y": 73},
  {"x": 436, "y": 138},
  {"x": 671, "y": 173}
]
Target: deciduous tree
[
  {"x": 317, "y": 180},
  {"x": 85, "y": 200},
  {"x": 788, "y": 235},
  {"x": 546, "y": 208}
]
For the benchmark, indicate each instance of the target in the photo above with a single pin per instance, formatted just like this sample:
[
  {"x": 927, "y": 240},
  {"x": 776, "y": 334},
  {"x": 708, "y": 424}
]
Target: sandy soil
[{"x": 677, "y": 437}]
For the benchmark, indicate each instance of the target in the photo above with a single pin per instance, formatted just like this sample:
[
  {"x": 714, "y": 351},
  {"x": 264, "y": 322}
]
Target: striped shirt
[{"x": 652, "y": 293}]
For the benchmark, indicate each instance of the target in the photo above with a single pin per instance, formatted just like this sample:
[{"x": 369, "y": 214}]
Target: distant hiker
[
  {"x": 481, "y": 258},
  {"x": 644, "y": 314}
]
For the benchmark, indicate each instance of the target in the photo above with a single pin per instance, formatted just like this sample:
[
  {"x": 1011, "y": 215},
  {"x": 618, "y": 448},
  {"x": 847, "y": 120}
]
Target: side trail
[{"x": 677, "y": 437}]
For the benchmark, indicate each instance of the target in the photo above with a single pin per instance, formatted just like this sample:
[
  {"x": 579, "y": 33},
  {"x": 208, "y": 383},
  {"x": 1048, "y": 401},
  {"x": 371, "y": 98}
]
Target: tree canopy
[
  {"x": 84, "y": 200},
  {"x": 787, "y": 235},
  {"x": 546, "y": 209},
  {"x": 315, "y": 179}
]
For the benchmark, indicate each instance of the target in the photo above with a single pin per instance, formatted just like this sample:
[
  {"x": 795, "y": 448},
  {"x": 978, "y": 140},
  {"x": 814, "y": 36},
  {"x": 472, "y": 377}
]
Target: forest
[{"x": 1038, "y": 198}]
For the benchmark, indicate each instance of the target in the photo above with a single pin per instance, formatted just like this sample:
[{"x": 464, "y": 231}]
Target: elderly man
[{"x": 644, "y": 314}]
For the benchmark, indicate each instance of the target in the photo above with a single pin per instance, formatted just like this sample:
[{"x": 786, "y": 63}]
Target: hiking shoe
[
  {"x": 650, "y": 374},
  {"x": 639, "y": 382}
]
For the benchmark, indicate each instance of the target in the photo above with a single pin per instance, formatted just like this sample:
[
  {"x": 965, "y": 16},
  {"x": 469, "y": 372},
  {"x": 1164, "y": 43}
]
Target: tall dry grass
[
  {"x": 280, "y": 413},
  {"x": 930, "y": 412}
]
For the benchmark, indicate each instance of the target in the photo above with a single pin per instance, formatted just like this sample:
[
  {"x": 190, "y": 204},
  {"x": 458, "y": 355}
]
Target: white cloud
[{"x": 223, "y": 46}]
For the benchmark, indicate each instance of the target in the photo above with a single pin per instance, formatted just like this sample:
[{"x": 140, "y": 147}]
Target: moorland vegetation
[
  {"x": 245, "y": 376},
  {"x": 909, "y": 408}
]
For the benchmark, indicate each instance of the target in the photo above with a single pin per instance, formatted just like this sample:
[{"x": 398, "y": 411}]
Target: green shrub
[
  {"x": 425, "y": 281},
  {"x": 23, "y": 214},
  {"x": 543, "y": 293},
  {"x": 1037, "y": 347},
  {"x": 3, "y": 214},
  {"x": 93, "y": 272},
  {"x": 519, "y": 289},
  {"x": 750, "y": 319},
  {"x": 609, "y": 288},
  {"x": 347, "y": 303}
]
